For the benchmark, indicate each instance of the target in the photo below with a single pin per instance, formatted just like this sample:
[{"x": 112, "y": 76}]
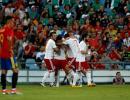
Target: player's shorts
[
  {"x": 82, "y": 66},
  {"x": 60, "y": 64},
  {"x": 49, "y": 64},
  {"x": 8, "y": 63}
]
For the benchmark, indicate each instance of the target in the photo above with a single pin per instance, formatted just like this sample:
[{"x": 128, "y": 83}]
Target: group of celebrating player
[{"x": 68, "y": 54}]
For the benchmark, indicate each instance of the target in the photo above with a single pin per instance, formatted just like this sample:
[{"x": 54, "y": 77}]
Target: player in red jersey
[{"x": 7, "y": 56}]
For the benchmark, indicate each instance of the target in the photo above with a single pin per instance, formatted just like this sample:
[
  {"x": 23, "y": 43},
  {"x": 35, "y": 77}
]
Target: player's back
[
  {"x": 49, "y": 50},
  {"x": 83, "y": 47},
  {"x": 60, "y": 56},
  {"x": 73, "y": 44}
]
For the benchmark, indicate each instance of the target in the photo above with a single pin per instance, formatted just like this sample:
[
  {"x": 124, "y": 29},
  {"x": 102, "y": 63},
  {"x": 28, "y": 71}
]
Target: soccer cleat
[
  {"x": 57, "y": 85},
  {"x": 14, "y": 91},
  {"x": 5, "y": 91},
  {"x": 42, "y": 84},
  {"x": 92, "y": 85},
  {"x": 73, "y": 86},
  {"x": 52, "y": 84},
  {"x": 80, "y": 85}
]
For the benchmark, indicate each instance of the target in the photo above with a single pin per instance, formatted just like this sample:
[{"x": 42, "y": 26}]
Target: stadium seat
[
  {"x": 31, "y": 64},
  {"x": 127, "y": 67}
]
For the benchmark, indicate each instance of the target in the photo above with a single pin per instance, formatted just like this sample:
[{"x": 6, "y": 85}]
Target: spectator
[
  {"x": 26, "y": 21},
  {"x": 40, "y": 56},
  {"x": 96, "y": 60},
  {"x": 115, "y": 57},
  {"x": 126, "y": 40},
  {"x": 29, "y": 51},
  {"x": 118, "y": 80},
  {"x": 9, "y": 9}
]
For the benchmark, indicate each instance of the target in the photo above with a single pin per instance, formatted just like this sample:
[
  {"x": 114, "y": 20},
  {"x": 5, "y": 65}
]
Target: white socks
[
  {"x": 46, "y": 75},
  {"x": 80, "y": 77},
  {"x": 52, "y": 77},
  {"x": 75, "y": 79},
  {"x": 89, "y": 78},
  {"x": 70, "y": 76},
  {"x": 57, "y": 79}
]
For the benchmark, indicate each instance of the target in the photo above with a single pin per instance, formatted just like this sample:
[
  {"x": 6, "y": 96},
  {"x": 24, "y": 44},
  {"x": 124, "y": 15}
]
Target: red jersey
[
  {"x": 6, "y": 48},
  {"x": 19, "y": 35},
  {"x": 98, "y": 65},
  {"x": 101, "y": 49},
  {"x": 113, "y": 55},
  {"x": 93, "y": 42},
  {"x": 32, "y": 50}
]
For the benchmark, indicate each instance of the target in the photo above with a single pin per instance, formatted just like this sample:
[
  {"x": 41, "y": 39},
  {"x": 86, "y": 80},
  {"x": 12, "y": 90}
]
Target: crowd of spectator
[{"x": 107, "y": 23}]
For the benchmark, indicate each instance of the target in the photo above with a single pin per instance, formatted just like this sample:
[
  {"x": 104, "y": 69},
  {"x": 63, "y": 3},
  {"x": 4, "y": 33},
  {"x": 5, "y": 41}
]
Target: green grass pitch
[{"x": 100, "y": 92}]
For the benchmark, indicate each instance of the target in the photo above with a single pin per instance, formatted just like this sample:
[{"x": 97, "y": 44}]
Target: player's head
[
  {"x": 70, "y": 33},
  {"x": 53, "y": 35},
  {"x": 118, "y": 74},
  {"x": 84, "y": 36},
  {"x": 59, "y": 40},
  {"x": 66, "y": 36},
  {"x": 10, "y": 21}
]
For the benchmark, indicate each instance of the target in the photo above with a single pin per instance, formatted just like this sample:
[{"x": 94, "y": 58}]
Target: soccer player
[
  {"x": 59, "y": 59},
  {"x": 7, "y": 56},
  {"x": 49, "y": 58},
  {"x": 81, "y": 64},
  {"x": 73, "y": 49}
]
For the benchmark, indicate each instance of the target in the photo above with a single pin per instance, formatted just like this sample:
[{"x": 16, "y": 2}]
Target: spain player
[{"x": 7, "y": 56}]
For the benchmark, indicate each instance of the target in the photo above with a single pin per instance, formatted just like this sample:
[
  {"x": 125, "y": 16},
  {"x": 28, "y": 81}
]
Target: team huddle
[{"x": 69, "y": 55}]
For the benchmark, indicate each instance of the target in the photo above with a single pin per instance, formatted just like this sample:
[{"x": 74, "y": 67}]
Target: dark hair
[
  {"x": 7, "y": 18},
  {"x": 59, "y": 37},
  {"x": 117, "y": 73},
  {"x": 51, "y": 33},
  {"x": 70, "y": 31},
  {"x": 84, "y": 35},
  {"x": 66, "y": 35}
]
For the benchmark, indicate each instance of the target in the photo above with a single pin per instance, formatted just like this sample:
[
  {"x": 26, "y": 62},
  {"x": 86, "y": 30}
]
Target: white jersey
[
  {"x": 69, "y": 53},
  {"x": 73, "y": 44},
  {"x": 60, "y": 56},
  {"x": 49, "y": 50},
  {"x": 83, "y": 47}
]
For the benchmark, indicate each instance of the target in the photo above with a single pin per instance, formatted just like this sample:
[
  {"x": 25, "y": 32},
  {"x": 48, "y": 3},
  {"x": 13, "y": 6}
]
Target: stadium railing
[{"x": 27, "y": 75}]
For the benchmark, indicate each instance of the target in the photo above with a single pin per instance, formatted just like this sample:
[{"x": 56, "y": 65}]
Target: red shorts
[
  {"x": 49, "y": 64},
  {"x": 60, "y": 64},
  {"x": 82, "y": 66},
  {"x": 71, "y": 62}
]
